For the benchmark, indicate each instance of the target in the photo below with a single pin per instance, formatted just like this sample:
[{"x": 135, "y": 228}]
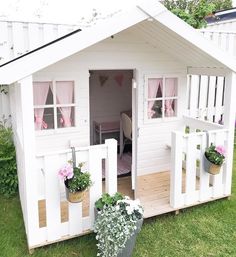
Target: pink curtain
[
  {"x": 64, "y": 95},
  {"x": 40, "y": 90},
  {"x": 170, "y": 91},
  {"x": 153, "y": 85}
]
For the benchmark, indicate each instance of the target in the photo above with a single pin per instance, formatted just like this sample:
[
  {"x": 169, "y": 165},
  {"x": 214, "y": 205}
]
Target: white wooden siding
[{"x": 127, "y": 50}]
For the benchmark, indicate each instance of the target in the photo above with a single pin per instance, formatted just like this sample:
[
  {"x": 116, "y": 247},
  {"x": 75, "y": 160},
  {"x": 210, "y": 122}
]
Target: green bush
[{"x": 8, "y": 170}]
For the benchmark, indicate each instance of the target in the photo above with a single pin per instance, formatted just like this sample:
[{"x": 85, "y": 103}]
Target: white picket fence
[
  {"x": 52, "y": 190},
  {"x": 17, "y": 38},
  {"x": 224, "y": 39},
  {"x": 190, "y": 183},
  {"x": 206, "y": 97}
]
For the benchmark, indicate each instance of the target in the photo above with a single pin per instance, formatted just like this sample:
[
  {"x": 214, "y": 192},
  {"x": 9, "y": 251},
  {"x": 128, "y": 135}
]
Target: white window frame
[
  {"x": 163, "y": 98},
  {"x": 57, "y": 130}
]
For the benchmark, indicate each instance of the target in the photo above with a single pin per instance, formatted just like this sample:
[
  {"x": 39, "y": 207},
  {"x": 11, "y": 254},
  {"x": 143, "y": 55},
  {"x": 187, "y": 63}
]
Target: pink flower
[
  {"x": 66, "y": 172},
  {"x": 221, "y": 150}
]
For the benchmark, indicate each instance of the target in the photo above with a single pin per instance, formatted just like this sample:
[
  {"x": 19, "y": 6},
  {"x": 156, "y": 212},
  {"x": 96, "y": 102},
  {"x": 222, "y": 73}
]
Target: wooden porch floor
[
  {"x": 153, "y": 193},
  {"x": 124, "y": 186}
]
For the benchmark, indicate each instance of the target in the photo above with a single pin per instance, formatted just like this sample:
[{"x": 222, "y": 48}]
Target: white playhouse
[{"x": 142, "y": 71}]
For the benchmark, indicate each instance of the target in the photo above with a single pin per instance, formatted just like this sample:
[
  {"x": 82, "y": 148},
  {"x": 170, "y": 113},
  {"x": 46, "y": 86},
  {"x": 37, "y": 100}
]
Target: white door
[{"x": 134, "y": 130}]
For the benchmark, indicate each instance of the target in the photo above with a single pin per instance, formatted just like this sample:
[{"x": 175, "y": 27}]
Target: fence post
[
  {"x": 176, "y": 197},
  {"x": 229, "y": 123},
  {"x": 111, "y": 166}
]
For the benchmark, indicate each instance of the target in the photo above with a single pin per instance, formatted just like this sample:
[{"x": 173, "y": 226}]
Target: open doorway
[{"x": 111, "y": 106}]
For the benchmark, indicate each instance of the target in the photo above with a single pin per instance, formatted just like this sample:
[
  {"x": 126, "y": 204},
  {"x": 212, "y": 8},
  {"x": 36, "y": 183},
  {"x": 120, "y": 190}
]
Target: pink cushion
[{"x": 110, "y": 126}]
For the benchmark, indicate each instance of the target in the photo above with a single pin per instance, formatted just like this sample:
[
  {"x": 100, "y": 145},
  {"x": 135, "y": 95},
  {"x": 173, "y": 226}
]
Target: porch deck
[
  {"x": 153, "y": 192},
  {"x": 124, "y": 186}
]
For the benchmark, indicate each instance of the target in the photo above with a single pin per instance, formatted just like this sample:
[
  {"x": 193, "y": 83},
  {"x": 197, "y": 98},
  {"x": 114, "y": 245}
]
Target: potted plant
[
  {"x": 76, "y": 182},
  {"x": 214, "y": 157},
  {"x": 118, "y": 221}
]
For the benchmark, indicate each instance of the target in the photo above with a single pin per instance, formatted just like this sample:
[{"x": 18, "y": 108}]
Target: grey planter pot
[{"x": 129, "y": 246}]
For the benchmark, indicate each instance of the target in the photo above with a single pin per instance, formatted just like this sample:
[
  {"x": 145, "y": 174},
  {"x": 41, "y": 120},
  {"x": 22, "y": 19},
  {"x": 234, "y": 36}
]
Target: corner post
[
  {"x": 229, "y": 123},
  {"x": 28, "y": 140},
  {"x": 176, "y": 198}
]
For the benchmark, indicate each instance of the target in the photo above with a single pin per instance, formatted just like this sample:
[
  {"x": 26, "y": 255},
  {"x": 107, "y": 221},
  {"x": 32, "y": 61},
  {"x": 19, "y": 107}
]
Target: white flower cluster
[{"x": 131, "y": 206}]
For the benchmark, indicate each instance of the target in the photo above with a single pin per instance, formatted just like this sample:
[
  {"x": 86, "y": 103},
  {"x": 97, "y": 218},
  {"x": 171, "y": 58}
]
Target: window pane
[
  {"x": 49, "y": 97},
  {"x": 40, "y": 91},
  {"x": 171, "y": 87},
  {"x": 43, "y": 118},
  {"x": 155, "y": 86},
  {"x": 170, "y": 108},
  {"x": 65, "y": 117},
  {"x": 65, "y": 92},
  {"x": 154, "y": 109}
]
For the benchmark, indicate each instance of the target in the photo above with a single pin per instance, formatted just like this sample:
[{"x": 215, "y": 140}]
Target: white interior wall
[
  {"x": 109, "y": 99},
  {"x": 126, "y": 50}
]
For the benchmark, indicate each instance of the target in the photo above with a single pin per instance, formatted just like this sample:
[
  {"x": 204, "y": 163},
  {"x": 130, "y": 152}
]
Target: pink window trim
[
  {"x": 40, "y": 91},
  {"x": 153, "y": 85},
  {"x": 170, "y": 91},
  {"x": 64, "y": 95}
]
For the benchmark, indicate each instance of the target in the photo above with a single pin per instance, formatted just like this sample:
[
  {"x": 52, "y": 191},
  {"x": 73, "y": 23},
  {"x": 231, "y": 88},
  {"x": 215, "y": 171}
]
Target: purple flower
[
  {"x": 66, "y": 172},
  {"x": 221, "y": 150}
]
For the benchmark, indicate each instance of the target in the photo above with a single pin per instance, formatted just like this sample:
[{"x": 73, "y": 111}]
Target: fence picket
[
  {"x": 211, "y": 97},
  {"x": 190, "y": 182},
  {"x": 95, "y": 168},
  {"x": 176, "y": 196},
  {"x": 205, "y": 191},
  {"x": 194, "y": 92},
  {"x": 203, "y": 97},
  {"x": 52, "y": 192},
  {"x": 219, "y": 99}
]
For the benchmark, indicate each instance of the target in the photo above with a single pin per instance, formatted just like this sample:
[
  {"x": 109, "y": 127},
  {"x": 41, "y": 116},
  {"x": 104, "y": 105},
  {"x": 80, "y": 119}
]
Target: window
[
  {"x": 54, "y": 105},
  {"x": 162, "y": 97}
]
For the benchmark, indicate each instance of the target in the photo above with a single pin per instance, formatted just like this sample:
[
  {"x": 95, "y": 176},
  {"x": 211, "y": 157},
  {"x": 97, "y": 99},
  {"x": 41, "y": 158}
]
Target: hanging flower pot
[
  {"x": 211, "y": 167},
  {"x": 74, "y": 197},
  {"x": 76, "y": 182},
  {"x": 213, "y": 159}
]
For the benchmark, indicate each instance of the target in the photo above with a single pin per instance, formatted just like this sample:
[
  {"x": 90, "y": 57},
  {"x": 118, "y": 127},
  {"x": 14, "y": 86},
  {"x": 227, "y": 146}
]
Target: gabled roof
[{"x": 165, "y": 31}]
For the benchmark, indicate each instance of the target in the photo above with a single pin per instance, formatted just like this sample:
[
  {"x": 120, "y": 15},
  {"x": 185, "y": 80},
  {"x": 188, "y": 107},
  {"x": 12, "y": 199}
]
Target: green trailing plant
[
  {"x": 115, "y": 223},
  {"x": 8, "y": 168},
  {"x": 215, "y": 154}
]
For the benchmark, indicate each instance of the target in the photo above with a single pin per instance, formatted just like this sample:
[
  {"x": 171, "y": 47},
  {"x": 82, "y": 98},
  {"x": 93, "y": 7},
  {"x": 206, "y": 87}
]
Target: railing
[
  {"x": 190, "y": 183},
  {"x": 51, "y": 191},
  {"x": 206, "y": 97},
  {"x": 225, "y": 39},
  {"x": 18, "y": 38}
]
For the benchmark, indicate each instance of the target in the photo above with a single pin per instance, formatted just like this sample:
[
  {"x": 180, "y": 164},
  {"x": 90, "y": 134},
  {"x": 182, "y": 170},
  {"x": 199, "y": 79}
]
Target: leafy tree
[{"x": 194, "y": 11}]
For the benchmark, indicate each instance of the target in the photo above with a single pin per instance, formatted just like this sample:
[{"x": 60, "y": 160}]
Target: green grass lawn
[{"x": 202, "y": 231}]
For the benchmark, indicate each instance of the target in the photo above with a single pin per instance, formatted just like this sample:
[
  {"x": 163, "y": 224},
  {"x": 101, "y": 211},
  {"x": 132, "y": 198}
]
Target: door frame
[{"x": 134, "y": 119}]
